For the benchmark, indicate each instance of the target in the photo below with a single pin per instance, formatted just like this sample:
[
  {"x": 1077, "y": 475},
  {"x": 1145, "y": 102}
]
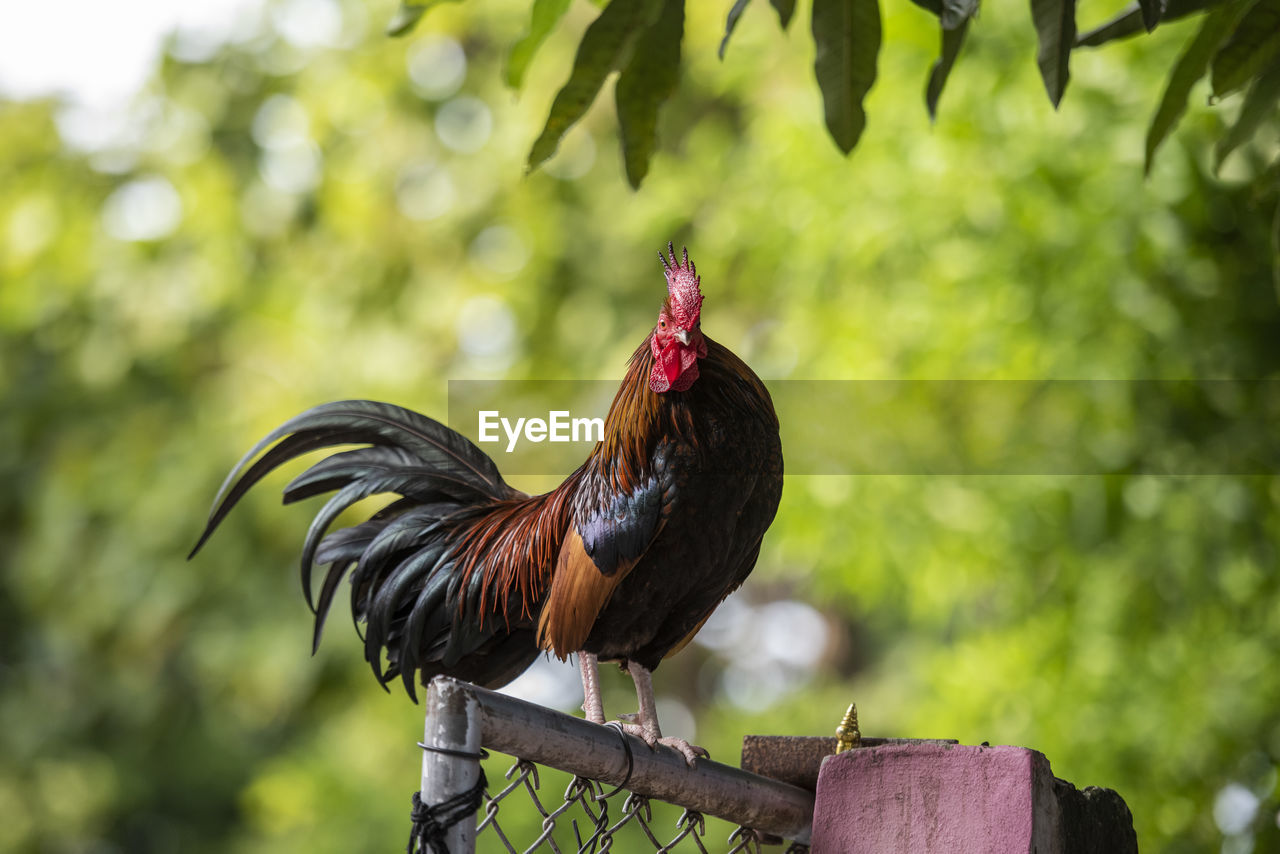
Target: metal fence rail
[{"x": 462, "y": 719}]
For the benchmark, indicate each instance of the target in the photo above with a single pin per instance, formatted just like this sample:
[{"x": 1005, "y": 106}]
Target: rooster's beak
[{"x": 682, "y": 336}]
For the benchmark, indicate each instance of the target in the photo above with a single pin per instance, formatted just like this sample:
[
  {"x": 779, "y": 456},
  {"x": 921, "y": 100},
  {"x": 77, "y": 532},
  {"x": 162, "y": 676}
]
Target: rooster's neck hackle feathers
[
  {"x": 636, "y": 415},
  {"x": 682, "y": 286}
]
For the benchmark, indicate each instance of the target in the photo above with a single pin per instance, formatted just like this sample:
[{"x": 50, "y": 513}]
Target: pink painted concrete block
[{"x": 944, "y": 798}]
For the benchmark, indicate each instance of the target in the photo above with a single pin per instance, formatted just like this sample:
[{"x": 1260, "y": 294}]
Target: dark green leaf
[
  {"x": 956, "y": 13},
  {"x": 1251, "y": 47},
  {"x": 1175, "y": 9},
  {"x": 1130, "y": 21},
  {"x": 1127, "y": 23},
  {"x": 1259, "y": 103},
  {"x": 405, "y": 18},
  {"x": 409, "y": 13},
  {"x": 1267, "y": 184},
  {"x": 1190, "y": 67},
  {"x": 847, "y": 36},
  {"x": 732, "y": 21},
  {"x": 542, "y": 20},
  {"x": 1055, "y": 22},
  {"x": 646, "y": 82},
  {"x": 1275, "y": 246},
  {"x": 954, "y": 17},
  {"x": 606, "y": 46},
  {"x": 1152, "y": 12},
  {"x": 785, "y": 9},
  {"x": 951, "y": 41}
]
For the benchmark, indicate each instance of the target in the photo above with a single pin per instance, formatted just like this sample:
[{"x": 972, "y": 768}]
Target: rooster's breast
[{"x": 727, "y": 487}]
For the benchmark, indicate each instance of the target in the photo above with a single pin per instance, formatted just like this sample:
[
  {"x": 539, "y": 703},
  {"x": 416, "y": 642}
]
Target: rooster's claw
[{"x": 690, "y": 752}]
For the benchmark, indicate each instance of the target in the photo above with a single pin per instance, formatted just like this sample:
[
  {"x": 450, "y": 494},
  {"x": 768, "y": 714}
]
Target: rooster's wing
[{"x": 617, "y": 514}]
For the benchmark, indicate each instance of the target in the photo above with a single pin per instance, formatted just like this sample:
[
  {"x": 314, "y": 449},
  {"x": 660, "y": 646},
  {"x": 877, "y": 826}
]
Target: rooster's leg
[
  {"x": 591, "y": 702},
  {"x": 647, "y": 727}
]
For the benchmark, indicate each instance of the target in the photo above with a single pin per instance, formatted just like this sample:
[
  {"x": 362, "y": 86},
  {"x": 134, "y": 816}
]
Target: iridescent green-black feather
[{"x": 407, "y": 584}]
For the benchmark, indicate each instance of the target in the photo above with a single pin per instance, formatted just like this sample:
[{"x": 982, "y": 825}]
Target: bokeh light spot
[
  {"x": 464, "y": 124},
  {"x": 500, "y": 249},
  {"x": 425, "y": 192},
  {"x": 1234, "y": 809},
  {"x": 437, "y": 67},
  {"x": 281, "y": 122},
  {"x": 308, "y": 23},
  {"x": 143, "y": 209},
  {"x": 548, "y": 682},
  {"x": 486, "y": 327},
  {"x": 295, "y": 169}
]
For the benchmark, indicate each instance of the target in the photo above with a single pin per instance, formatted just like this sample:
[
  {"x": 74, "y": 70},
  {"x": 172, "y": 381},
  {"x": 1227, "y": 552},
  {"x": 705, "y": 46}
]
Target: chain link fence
[
  {"x": 583, "y": 815},
  {"x": 618, "y": 797}
]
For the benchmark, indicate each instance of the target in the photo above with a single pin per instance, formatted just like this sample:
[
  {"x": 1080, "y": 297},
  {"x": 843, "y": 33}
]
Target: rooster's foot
[
  {"x": 644, "y": 723},
  {"x": 690, "y": 752}
]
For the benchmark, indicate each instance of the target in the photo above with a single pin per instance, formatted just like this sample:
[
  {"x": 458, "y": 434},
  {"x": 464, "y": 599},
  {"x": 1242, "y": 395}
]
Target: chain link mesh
[{"x": 586, "y": 822}]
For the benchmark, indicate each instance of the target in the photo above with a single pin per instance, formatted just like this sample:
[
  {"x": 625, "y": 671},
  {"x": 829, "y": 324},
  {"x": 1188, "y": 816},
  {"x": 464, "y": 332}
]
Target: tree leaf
[
  {"x": 606, "y": 47},
  {"x": 847, "y": 36},
  {"x": 1152, "y": 12},
  {"x": 409, "y": 13},
  {"x": 1127, "y": 23},
  {"x": 1275, "y": 246},
  {"x": 951, "y": 41},
  {"x": 1055, "y": 22},
  {"x": 646, "y": 82},
  {"x": 785, "y": 9},
  {"x": 1130, "y": 22},
  {"x": 955, "y": 13},
  {"x": 730, "y": 22},
  {"x": 954, "y": 17},
  {"x": 1190, "y": 67},
  {"x": 543, "y": 18},
  {"x": 1259, "y": 103},
  {"x": 1251, "y": 47}
]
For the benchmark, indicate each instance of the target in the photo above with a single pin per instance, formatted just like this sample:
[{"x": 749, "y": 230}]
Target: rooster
[{"x": 464, "y": 575}]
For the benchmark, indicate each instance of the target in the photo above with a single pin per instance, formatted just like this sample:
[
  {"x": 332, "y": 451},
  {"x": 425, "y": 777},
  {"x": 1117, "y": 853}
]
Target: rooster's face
[{"x": 677, "y": 341}]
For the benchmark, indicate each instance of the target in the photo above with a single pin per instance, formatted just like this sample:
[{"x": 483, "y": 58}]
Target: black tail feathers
[{"x": 403, "y": 562}]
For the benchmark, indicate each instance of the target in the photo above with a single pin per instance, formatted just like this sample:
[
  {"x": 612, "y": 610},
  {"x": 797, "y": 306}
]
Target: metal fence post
[{"x": 453, "y": 729}]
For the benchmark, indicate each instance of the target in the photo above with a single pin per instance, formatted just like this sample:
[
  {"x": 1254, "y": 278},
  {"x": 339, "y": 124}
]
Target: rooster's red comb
[{"x": 682, "y": 284}]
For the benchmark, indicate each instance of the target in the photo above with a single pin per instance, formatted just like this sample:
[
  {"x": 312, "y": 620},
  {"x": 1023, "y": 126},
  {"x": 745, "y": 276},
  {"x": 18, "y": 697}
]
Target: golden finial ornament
[{"x": 848, "y": 736}]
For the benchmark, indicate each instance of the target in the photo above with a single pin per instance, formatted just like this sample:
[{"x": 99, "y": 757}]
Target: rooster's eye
[{"x": 662, "y": 324}]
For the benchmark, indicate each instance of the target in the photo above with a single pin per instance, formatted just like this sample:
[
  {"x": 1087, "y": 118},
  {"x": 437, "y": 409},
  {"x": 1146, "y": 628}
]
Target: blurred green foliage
[
  {"x": 293, "y": 222},
  {"x": 1236, "y": 45}
]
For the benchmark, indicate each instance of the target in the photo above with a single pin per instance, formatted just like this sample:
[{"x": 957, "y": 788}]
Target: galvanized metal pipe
[
  {"x": 589, "y": 750},
  {"x": 452, "y": 724}
]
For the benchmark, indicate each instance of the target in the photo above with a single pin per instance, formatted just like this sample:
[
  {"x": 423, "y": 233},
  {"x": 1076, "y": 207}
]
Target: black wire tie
[
  {"x": 631, "y": 761},
  {"x": 431, "y": 823},
  {"x": 462, "y": 754}
]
